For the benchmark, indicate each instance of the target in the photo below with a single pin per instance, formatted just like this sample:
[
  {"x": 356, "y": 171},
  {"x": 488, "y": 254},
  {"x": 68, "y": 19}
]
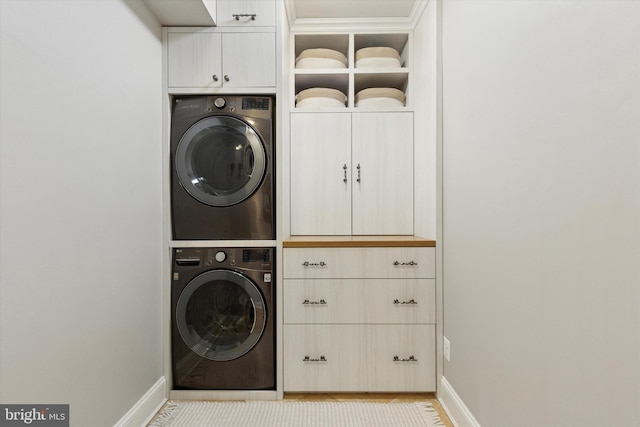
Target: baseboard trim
[
  {"x": 145, "y": 408},
  {"x": 455, "y": 408}
]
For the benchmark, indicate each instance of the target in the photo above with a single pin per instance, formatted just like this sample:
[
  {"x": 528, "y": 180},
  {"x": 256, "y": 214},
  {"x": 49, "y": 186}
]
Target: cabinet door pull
[
  {"x": 344, "y": 168},
  {"x": 313, "y": 359},
  {"x": 358, "y": 167},
  {"x": 398, "y": 263},
  {"x": 409, "y": 359},
  {"x": 214, "y": 77},
  {"x": 321, "y": 302},
  {"x": 314, "y": 264},
  {"x": 226, "y": 78},
  {"x": 237, "y": 16},
  {"x": 410, "y": 302}
]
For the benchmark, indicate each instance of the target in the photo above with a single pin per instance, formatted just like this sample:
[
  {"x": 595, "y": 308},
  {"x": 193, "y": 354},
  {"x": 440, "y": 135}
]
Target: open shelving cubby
[{"x": 351, "y": 80}]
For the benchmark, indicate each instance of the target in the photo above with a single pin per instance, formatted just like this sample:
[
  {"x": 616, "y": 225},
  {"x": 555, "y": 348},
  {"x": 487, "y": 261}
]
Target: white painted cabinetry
[
  {"x": 352, "y": 173},
  {"x": 202, "y": 60},
  {"x": 359, "y": 319}
]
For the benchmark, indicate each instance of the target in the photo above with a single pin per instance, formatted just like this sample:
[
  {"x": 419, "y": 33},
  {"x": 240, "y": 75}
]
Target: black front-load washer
[
  {"x": 222, "y": 167},
  {"x": 223, "y": 319}
]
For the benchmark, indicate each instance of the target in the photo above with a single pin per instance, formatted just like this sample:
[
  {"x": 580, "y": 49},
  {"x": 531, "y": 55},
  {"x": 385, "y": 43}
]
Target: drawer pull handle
[
  {"x": 344, "y": 168},
  {"x": 409, "y": 359},
  {"x": 307, "y": 302},
  {"x": 410, "y": 302},
  {"x": 311, "y": 359},
  {"x": 314, "y": 264},
  {"x": 237, "y": 16},
  {"x": 398, "y": 263}
]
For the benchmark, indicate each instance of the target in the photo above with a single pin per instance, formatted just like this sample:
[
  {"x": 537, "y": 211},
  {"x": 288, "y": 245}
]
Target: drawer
[
  {"x": 359, "y": 301},
  {"x": 354, "y": 263},
  {"x": 359, "y": 358}
]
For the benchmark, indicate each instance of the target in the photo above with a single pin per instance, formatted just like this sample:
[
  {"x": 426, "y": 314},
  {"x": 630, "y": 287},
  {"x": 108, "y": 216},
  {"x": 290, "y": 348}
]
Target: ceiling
[
  {"x": 300, "y": 13},
  {"x": 322, "y": 9}
]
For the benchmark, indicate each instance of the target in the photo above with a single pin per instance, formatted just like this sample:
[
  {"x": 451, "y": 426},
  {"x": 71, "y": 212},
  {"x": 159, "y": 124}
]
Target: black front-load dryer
[
  {"x": 222, "y": 167},
  {"x": 223, "y": 316}
]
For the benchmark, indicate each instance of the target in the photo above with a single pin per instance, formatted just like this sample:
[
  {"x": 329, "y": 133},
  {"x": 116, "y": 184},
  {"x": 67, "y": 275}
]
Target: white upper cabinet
[
  {"x": 321, "y": 174},
  {"x": 352, "y": 173},
  {"x": 382, "y": 147},
  {"x": 246, "y": 13},
  {"x": 248, "y": 59},
  {"x": 203, "y": 60}
]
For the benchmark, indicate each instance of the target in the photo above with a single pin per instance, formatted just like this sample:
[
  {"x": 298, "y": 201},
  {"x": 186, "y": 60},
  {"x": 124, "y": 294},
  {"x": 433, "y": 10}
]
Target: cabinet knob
[
  {"x": 214, "y": 77},
  {"x": 226, "y": 78}
]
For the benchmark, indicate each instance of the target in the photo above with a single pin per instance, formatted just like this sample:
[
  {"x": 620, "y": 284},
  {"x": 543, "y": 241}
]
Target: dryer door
[
  {"x": 221, "y": 315},
  {"x": 220, "y": 160}
]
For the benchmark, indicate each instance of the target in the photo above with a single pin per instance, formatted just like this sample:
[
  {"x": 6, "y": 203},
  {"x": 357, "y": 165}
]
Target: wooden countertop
[{"x": 356, "y": 241}]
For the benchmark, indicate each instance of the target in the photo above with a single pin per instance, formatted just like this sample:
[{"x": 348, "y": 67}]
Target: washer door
[
  {"x": 221, "y": 315},
  {"x": 220, "y": 160}
]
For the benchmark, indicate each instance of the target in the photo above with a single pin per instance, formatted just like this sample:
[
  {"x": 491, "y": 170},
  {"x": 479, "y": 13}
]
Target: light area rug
[{"x": 296, "y": 414}]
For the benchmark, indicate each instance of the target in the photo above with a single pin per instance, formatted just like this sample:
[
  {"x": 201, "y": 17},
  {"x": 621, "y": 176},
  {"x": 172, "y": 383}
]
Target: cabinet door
[
  {"x": 320, "y": 163},
  {"x": 371, "y": 301},
  {"x": 193, "y": 60},
  {"x": 264, "y": 11},
  {"x": 249, "y": 59},
  {"x": 363, "y": 358},
  {"x": 382, "y": 173}
]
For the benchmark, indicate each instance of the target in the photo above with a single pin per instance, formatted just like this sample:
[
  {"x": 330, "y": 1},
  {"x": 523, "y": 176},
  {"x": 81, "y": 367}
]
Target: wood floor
[{"x": 374, "y": 397}]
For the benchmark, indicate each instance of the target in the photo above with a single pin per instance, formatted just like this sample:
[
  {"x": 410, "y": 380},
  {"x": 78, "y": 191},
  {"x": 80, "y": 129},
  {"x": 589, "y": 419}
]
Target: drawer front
[
  {"x": 353, "y": 263},
  {"x": 359, "y": 301},
  {"x": 359, "y": 358}
]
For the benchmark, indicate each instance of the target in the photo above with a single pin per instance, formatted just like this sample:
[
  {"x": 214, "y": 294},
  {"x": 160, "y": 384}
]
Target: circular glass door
[
  {"x": 220, "y": 161},
  {"x": 221, "y": 315}
]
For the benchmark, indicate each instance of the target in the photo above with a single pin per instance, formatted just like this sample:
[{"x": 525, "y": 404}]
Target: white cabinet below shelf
[
  {"x": 359, "y": 358},
  {"x": 372, "y": 301},
  {"x": 205, "y": 60},
  {"x": 359, "y": 319},
  {"x": 352, "y": 173}
]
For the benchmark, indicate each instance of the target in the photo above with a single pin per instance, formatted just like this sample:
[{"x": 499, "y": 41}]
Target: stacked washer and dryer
[{"x": 223, "y": 297}]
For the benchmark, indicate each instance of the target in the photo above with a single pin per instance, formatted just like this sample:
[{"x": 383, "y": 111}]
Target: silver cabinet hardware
[
  {"x": 358, "y": 167},
  {"x": 311, "y": 359},
  {"x": 409, "y": 359},
  {"x": 226, "y": 78},
  {"x": 314, "y": 264},
  {"x": 410, "y": 302},
  {"x": 214, "y": 77},
  {"x": 398, "y": 263},
  {"x": 321, "y": 302},
  {"x": 344, "y": 167},
  {"x": 237, "y": 16}
]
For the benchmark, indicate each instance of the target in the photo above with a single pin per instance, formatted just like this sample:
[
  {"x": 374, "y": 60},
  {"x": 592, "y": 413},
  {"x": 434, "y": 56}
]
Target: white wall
[
  {"x": 425, "y": 73},
  {"x": 80, "y": 205},
  {"x": 541, "y": 210}
]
